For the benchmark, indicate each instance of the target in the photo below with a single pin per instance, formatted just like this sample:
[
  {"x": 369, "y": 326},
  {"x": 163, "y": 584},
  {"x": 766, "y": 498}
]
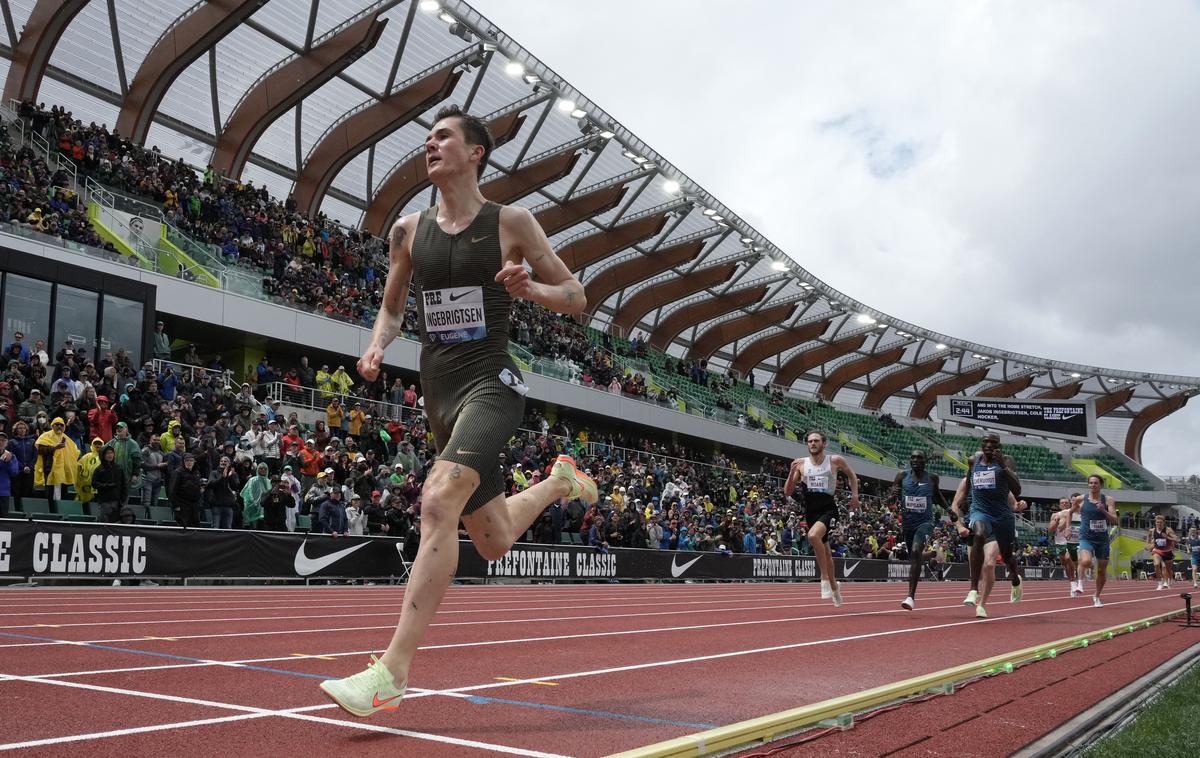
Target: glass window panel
[
  {"x": 75, "y": 320},
  {"x": 26, "y": 309},
  {"x": 122, "y": 328}
]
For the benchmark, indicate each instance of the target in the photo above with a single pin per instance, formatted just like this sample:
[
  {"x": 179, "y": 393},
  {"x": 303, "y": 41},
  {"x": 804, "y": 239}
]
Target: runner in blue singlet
[
  {"x": 916, "y": 491},
  {"x": 1097, "y": 511},
  {"x": 990, "y": 481}
]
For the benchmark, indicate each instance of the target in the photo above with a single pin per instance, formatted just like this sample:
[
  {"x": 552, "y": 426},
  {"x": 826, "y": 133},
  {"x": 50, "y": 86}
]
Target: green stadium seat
[
  {"x": 162, "y": 515},
  {"x": 47, "y": 517},
  {"x": 304, "y": 523},
  {"x": 71, "y": 508},
  {"x": 82, "y": 517}
]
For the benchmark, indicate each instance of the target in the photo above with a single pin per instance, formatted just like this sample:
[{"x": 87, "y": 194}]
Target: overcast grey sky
[{"x": 918, "y": 155}]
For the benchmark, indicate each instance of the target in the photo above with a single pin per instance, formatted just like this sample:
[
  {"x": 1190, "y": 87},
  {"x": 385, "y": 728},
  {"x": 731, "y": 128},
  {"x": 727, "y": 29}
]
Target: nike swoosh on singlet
[
  {"x": 476, "y": 240},
  {"x": 305, "y": 565},
  {"x": 459, "y": 296}
]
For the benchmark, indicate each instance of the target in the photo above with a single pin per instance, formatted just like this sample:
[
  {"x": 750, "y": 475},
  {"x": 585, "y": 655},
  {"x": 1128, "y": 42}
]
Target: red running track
[{"x": 512, "y": 670}]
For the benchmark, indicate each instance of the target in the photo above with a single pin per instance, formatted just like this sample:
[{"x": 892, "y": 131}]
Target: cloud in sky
[{"x": 1025, "y": 174}]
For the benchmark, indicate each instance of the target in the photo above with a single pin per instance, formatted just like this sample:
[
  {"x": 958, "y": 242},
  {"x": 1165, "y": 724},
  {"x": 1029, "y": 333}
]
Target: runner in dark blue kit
[
  {"x": 916, "y": 491},
  {"x": 1096, "y": 511},
  {"x": 992, "y": 484}
]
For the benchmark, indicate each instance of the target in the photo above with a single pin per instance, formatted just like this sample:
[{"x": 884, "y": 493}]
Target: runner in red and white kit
[
  {"x": 1064, "y": 529},
  {"x": 1161, "y": 541}
]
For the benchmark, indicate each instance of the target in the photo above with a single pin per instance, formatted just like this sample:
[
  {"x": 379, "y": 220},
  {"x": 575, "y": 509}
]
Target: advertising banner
[{"x": 54, "y": 548}]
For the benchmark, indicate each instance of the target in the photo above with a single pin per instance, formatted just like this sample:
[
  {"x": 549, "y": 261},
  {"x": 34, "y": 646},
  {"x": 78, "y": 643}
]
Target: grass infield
[{"x": 1170, "y": 724}]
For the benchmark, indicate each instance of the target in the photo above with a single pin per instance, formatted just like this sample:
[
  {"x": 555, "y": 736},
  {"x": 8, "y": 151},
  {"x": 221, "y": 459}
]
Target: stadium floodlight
[
  {"x": 578, "y": 113},
  {"x": 447, "y": 16},
  {"x": 638, "y": 159},
  {"x": 709, "y": 212},
  {"x": 430, "y": 6},
  {"x": 864, "y": 318},
  {"x": 941, "y": 346},
  {"x": 629, "y": 154},
  {"x": 532, "y": 78},
  {"x": 514, "y": 69},
  {"x": 747, "y": 240},
  {"x": 671, "y": 186},
  {"x": 607, "y": 134},
  {"x": 779, "y": 265},
  {"x": 565, "y": 105},
  {"x": 1075, "y": 375}
]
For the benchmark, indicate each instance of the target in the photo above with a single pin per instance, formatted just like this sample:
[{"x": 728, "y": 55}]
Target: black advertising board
[
  {"x": 98, "y": 551},
  {"x": 1073, "y": 420}
]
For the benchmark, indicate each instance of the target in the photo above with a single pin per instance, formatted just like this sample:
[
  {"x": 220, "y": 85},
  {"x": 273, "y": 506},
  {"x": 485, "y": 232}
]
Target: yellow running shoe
[
  {"x": 367, "y": 691},
  {"x": 582, "y": 486}
]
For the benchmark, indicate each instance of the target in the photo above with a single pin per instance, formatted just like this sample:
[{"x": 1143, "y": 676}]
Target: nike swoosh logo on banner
[
  {"x": 848, "y": 570},
  {"x": 677, "y": 570},
  {"x": 305, "y": 565},
  {"x": 459, "y": 296},
  {"x": 476, "y": 240}
]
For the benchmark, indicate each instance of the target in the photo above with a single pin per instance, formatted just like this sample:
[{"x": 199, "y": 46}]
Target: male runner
[
  {"x": 816, "y": 477},
  {"x": 1097, "y": 511},
  {"x": 1064, "y": 529},
  {"x": 1194, "y": 550},
  {"x": 916, "y": 490},
  {"x": 465, "y": 259},
  {"x": 993, "y": 486},
  {"x": 1161, "y": 542}
]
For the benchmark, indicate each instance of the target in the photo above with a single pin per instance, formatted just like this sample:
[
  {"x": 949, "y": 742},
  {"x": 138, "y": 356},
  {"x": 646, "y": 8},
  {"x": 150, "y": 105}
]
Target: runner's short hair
[
  {"x": 475, "y": 132},
  {"x": 819, "y": 434}
]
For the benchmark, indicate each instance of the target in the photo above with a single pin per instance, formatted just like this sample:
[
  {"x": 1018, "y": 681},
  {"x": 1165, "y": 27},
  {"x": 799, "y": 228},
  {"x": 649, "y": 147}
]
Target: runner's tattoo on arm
[
  {"x": 570, "y": 293},
  {"x": 398, "y": 234},
  {"x": 455, "y": 472}
]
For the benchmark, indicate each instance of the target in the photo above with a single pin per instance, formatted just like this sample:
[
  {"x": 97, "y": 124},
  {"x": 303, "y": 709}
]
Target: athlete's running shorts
[
  {"x": 1168, "y": 557},
  {"x": 1098, "y": 548},
  {"x": 1001, "y": 530},
  {"x": 1070, "y": 547},
  {"x": 1195, "y": 559},
  {"x": 472, "y": 421},
  {"x": 827, "y": 516},
  {"x": 917, "y": 537}
]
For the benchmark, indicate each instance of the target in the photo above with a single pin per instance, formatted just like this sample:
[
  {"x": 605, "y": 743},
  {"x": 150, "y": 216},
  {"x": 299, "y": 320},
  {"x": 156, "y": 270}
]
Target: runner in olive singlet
[{"x": 465, "y": 259}]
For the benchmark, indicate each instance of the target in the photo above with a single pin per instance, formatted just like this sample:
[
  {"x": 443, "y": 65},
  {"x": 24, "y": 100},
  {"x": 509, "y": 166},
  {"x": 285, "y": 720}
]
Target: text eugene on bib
[{"x": 454, "y": 315}]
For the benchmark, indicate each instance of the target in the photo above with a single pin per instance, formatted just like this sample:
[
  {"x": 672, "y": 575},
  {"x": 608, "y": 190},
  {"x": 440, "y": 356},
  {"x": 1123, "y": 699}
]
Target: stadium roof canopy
[{"x": 331, "y": 100}]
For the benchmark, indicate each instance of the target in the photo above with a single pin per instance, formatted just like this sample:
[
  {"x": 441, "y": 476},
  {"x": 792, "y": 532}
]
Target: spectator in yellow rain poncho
[
  {"x": 86, "y": 467},
  {"x": 55, "y": 467}
]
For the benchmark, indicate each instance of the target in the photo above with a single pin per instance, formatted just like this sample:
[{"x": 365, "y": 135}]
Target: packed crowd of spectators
[
  {"x": 33, "y": 196},
  {"x": 312, "y": 263}
]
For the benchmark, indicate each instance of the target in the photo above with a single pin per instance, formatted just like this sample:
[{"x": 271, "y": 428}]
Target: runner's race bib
[
  {"x": 984, "y": 480},
  {"x": 916, "y": 504},
  {"x": 1196, "y": 548},
  {"x": 1098, "y": 525},
  {"x": 1160, "y": 542},
  {"x": 817, "y": 482},
  {"x": 454, "y": 315},
  {"x": 1073, "y": 535}
]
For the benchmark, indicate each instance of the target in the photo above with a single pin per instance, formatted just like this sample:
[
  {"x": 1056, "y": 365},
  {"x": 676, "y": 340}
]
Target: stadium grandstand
[{"x": 194, "y": 209}]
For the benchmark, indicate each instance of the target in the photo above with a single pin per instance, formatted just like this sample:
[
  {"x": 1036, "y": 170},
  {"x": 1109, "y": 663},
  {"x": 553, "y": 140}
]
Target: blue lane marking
[
  {"x": 173, "y": 656},
  {"x": 480, "y": 700},
  {"x": 474, "y": 699}
]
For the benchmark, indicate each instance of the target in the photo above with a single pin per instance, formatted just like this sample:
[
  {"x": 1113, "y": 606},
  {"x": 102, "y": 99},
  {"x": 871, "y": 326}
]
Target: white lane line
[
  {"x": 523, "y": 640},
  {"x": 258, "y": 713},
  {"x": 395, "y": 604},
  {"x": 889, "y": 597},
  {"x": 394, "y": 596}
]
